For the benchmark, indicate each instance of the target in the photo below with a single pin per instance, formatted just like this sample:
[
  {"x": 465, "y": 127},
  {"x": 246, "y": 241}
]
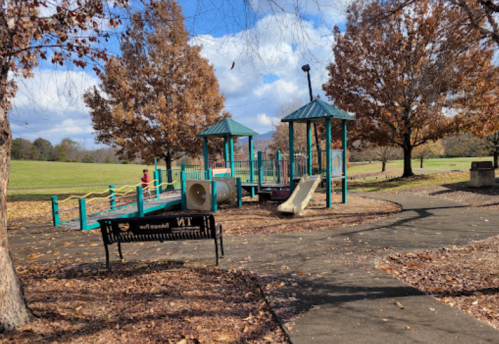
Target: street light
[{"x": 306, "y": 68}]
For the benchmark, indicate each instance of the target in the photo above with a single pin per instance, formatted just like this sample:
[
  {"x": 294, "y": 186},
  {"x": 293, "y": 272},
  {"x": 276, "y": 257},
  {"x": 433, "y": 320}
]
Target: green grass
[
  {"x": 429, "y": 165},
  {"x": 416, "y": 181},
  {"x": 44, "y": 176}
]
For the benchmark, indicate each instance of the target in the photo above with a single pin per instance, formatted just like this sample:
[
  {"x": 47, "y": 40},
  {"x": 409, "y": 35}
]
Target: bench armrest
[{"x": 217, "y": 229}]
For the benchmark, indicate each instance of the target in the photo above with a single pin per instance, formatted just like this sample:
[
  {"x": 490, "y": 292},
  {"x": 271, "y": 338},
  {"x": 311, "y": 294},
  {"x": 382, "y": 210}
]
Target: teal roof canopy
[
  {"x": 317, "y": 110},
  {"x": 226, "y": 127}
]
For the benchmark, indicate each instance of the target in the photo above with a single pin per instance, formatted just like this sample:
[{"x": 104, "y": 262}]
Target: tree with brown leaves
[
  {"x": 66, "y": 31},
  {"x": 429, "y": 150},
  {"x": 155, "y": 99},
  {"x": 406, "y": 78}
]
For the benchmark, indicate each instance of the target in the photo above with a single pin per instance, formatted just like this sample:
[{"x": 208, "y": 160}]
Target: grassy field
[
  {"x": 44, "y": 178},
  {"x": 430, "y": 165},
  {"x": 398, "y": 183}
]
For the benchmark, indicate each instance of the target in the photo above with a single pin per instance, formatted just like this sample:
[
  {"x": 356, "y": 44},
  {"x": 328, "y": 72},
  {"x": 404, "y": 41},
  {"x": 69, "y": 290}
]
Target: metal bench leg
[
  {"x": 119, "y": 250},
  {"x": 107, "y": 256},
  {"x": 216, "y": 250},
  {"x": 222, "y": 246}
]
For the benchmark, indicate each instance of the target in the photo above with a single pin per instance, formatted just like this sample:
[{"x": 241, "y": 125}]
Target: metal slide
[{"x": 301, "y": 195}]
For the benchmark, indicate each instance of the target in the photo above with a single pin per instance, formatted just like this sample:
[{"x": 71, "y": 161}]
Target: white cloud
[
  {"x": 51, "y": 103},
  {"x": 266, "y": 120},
  {"x": 267, "y": 73}
]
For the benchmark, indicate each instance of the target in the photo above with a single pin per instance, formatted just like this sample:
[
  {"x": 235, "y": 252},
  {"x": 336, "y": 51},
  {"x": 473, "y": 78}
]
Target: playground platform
[{"x": 165, "y": 200}]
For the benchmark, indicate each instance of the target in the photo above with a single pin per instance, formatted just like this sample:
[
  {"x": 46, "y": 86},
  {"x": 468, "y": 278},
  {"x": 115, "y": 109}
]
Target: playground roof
[
  {"x": 226, "y": 127},
  {"x": 317, "y": 110}
]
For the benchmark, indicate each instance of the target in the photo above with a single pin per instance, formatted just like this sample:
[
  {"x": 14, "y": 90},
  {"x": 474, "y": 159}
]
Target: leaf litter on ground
[
  {"x": 143, "y": 302},
  {"x": 464, "y": 277}
]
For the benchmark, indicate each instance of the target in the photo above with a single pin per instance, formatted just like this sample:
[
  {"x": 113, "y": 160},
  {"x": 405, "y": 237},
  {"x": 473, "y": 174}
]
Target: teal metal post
[
  {"x": 155, "y": 164},
  {"x": 140, "y": 201},
  {"x": 226, "y": 151},
  {"x": 160, "y": 179},
  {"x": 278, "y": 158},
  {"x": 214, "y": 204},
  {"x": 112, "y": 199},
  {"x": 260, "y": 170},
  {"x": 328, "y": 163},
  {"x": 205, "y": 152},
  {"x": 55, "y": 211},
  {"x": 83, "y": 214},
  {"x": 156, "y": 183},
  {"x": 344, "y": 147},
  {"x": 231, "y": 149},
  {"x": 309, "y": 148},
  {"x": 252, "y": 165},
  {"x": 291, "y": 157},
  {"x": 239, "y": 192},
  {"x": 210, "y": 174},
  {"x": 183, "y": 188}
]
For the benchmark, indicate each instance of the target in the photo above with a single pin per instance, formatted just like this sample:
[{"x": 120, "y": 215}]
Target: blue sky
[{"x": 268, "y": 56}]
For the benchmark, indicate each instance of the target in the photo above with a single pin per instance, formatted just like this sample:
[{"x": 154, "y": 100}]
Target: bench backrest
[{"x": 158, "y": 228}]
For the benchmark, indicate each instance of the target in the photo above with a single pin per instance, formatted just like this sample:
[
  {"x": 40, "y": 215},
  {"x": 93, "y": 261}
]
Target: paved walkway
[{"x": 341, "y": 297}]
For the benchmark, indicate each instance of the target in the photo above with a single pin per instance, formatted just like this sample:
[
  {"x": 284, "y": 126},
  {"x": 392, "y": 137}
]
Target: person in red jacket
[{"x": 146, "y": 181}]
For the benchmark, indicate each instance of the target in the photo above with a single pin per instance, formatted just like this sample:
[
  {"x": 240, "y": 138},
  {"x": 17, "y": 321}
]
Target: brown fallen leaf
[{"x": 399, "y": 305}]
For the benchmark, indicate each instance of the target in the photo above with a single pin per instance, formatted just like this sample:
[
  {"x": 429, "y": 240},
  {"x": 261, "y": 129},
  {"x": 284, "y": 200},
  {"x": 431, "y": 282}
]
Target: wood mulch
[
  {"x": 263, "y": 218},
  {"x": 145, "y": 302}
]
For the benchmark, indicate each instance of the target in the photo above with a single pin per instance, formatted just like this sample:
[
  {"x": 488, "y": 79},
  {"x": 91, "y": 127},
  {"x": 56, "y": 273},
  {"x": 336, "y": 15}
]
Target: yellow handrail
[{"x": 115, "y": 191}]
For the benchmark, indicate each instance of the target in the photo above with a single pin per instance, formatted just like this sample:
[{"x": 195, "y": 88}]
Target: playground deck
[{"x": 164, "y": 201}]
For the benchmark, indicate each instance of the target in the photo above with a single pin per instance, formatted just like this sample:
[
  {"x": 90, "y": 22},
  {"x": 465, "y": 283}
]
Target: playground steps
[{"x": 164, "y": 201}]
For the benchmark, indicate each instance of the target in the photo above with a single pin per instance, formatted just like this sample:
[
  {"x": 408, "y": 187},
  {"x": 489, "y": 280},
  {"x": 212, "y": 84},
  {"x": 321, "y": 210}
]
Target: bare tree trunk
[
  {"x": 407, "y": 162},
  {"x": 421, "y": 163},
  {"x": 13, "y": 309},
  {"x": 383, "y": 166}
]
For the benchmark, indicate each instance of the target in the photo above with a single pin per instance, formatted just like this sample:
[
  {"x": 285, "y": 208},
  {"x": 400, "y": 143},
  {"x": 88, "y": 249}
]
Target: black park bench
[{"x": 160, "y": 228}]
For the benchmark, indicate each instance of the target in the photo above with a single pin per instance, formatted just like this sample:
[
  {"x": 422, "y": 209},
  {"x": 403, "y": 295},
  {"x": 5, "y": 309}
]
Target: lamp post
[{"x": 306, "y": 68}]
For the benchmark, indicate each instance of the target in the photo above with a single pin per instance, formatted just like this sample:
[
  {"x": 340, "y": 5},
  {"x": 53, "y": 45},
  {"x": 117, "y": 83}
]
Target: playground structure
[
  {"x": 318, "y": 111},
  {"x": 170, "y": 187}
]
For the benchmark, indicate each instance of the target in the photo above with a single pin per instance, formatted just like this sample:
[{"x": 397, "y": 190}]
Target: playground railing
[
  {"x": 319, "y": 162},
  {"x": 247, "y": 170},
  {"x": 80, "y": 208},
  {"x": 172, "y": 177}
]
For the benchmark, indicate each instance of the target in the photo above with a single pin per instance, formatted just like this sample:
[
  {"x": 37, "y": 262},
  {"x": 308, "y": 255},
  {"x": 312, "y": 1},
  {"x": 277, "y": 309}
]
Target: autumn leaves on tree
[
  {"x": 408, "y": 77},
  {"x": 30, "y": 31},
  {"x": 160, "y": 93}
]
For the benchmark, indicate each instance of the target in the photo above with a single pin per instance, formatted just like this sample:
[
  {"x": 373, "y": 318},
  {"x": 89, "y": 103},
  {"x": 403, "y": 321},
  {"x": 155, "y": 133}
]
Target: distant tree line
[
  {"x": 464, "y": 145},
  {"x": 67, "y": 150}
]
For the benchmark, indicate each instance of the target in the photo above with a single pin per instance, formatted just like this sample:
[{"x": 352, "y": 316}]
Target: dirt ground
[{"x": 263, "y": 218}]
